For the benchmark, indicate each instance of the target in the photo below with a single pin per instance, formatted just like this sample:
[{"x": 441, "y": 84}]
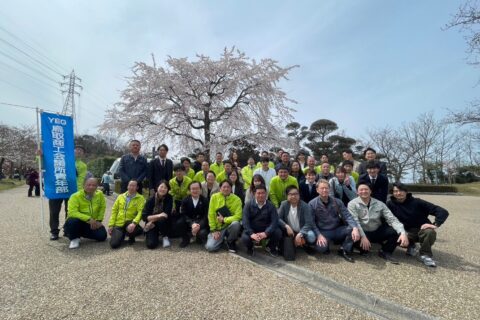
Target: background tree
[
  {"x": 17, "y": 148},
  {"x": 317, "y": 136},
  {"x": 100, "y": 146},
  {"x": 297, "y": 132},
  {"x": 205, "y": 104}
]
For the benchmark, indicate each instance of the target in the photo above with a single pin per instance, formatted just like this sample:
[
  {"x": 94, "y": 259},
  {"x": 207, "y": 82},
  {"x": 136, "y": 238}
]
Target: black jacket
[
  {"x": 414, "y": 212},
  {"x": 130, "y": 168},
  {"x": 198, "y": 214},
  {"x": 150, "y": 206},
  {"x": 304, "y": 213},
  {"x": 379, "y": 189},
  {"x": 259, "y": 220},
  {"x": 363, "y": 170},
  {"x": 196, "y": 166},
  {"x": 157, "y": 172},
  {"x": 305, "y": 194}
]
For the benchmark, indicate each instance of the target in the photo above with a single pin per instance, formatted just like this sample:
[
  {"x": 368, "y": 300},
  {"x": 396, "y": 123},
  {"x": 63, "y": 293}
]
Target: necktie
[
  {"x": 163, "y": 163},
  {"x": 373, "y": 180}
]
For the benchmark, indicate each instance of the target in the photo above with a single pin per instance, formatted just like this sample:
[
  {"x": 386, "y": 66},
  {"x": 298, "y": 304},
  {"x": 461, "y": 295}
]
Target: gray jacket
[
  {"x": 369, "y": 218},
  {"x": 330, "y": 216},
  {"x": 304, "y": 216}
]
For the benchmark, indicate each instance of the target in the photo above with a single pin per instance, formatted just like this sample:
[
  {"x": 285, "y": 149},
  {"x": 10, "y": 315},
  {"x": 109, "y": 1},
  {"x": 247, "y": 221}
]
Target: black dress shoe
[
  {"x": 53, "y": 236},
  {"x": 250, "y": 252},
  {"x": 131, "y": 240},
  {"x": 387, "y": 256},
  {"x": 342, "y": 253},
  {"x": 185, "y": 242}
]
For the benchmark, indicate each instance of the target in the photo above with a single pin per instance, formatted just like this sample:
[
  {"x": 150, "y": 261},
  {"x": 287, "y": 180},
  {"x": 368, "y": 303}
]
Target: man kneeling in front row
[
  {"x": 260, "y": 221},
  {"x": 369, "y": 214},
  {"x": 86, "y": 209},
  {"x": 413, "y": 213}
]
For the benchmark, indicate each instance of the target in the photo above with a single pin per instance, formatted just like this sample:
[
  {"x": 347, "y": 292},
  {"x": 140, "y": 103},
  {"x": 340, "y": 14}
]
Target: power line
[
  {"x": 11, "y": 34},
  {"x": 29, "y": 67},
  {"x": 32, "y": 77},
  {"x": 25, "y": 90},
  {"x": 28, "y": 55},
  {"x": 25, "y": 107}
]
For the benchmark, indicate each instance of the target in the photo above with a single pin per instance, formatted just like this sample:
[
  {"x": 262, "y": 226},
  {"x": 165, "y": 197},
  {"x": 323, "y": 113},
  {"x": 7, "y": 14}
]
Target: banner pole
[{"x": 40, "y": 173}]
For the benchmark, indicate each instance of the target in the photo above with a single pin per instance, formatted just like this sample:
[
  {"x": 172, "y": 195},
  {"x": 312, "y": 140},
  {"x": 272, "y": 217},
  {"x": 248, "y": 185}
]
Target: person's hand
[
  {"x": 321, "y": 241},
  {"x": 365, "y": 244},
  {"x": 255, "y": 237},
  {"x": 195, "y": 229},
  {"x": 355, "y": 235},
  {"x": 403, "y": 240},
  {"x": 428, "y": 226},
  {"x": 131, "y": 227},
  {"x": 299, "y": 240},
  {"x": 347, "y": 181},
  {"x": 220, "y": 219},
  {"x": 263, "y": 235},
  {"x": 289, "y": 230},
  {"x": 163, "y": 215},
  {"x": 110, "y": 230},
  {"x": 149, "y": 226},
  {"x": 216, "y": 235}
]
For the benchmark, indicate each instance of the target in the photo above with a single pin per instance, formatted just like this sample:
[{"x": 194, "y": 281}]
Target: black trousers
[
  {"x": 202, "y": 234},
  {"x": 54, "y": 206},
  {"x": 119, "y": 233},
  {"x": 106, "y": 189},
  {"x": 76, "y": 228},
  {"x": 37, "y": 190},
  {"x": 274, "y": 239},
  {"x": 171, "y": 227},
  {"x": 384, "y": 235}
]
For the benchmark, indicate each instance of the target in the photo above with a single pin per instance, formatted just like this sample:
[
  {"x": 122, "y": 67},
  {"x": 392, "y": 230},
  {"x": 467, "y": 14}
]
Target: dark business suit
[
  {"x": 158, "y": 172},
  {"x": 379, "y": 188}
]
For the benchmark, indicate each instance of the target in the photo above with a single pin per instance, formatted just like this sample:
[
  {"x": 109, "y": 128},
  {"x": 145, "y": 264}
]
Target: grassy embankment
[
  {"x": 469, "y": 189},
  {"x": 6, "y": 184}
]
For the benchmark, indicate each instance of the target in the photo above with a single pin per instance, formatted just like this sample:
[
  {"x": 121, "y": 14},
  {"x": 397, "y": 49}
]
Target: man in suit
[
  {"x": 195, "y": 208},
  {"x": 160, "y": 169},
  {"x": 377, "y": 181},
  {"x": 371, "y": 155},
  {"x": 308, "y": 188}
]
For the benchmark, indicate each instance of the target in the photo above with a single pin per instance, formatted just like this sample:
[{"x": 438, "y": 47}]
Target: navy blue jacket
[
  {"x": 256, "y": 220},
  {"x": 132, "y": 169},
  {"x": 305, "y": 193},
  {"x": 330, "y": 216},
  {"x": 379, "y": 189}
]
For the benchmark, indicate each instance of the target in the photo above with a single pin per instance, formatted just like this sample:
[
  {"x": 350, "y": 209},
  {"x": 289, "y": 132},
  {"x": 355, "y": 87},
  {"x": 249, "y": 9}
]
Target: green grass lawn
[
  {"x": 471, "y": 189},
  {"x": 6, "y": 184}
]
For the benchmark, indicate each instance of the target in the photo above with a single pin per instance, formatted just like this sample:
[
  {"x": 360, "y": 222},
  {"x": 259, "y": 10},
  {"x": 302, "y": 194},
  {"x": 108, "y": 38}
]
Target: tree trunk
[{"x": 207, "y": 135}]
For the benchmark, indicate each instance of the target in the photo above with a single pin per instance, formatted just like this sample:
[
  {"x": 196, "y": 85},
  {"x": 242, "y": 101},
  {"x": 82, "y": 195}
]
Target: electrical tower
[{"x": 69, "y": 104}]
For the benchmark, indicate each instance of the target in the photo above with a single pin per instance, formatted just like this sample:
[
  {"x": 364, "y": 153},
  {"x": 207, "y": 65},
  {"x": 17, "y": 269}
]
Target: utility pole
[{"x": 69, "y": 104}]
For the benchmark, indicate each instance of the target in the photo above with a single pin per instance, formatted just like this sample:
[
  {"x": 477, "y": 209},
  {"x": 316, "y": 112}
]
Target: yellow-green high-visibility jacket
[
  {"x": 81, "y": 208},
  {"x": 179, "y": 192},
  {"x": 277, "y": 189},
  {"x": 234, "y": 205},
  {"x": 123, "y": 211}
]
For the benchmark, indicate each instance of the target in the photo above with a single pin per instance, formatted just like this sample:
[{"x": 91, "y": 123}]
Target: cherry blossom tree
[{"x": 207, "y": 104}]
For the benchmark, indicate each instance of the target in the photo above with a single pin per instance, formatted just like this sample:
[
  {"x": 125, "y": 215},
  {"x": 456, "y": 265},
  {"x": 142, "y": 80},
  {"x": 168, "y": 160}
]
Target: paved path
[{"x": 46, "y": 280}]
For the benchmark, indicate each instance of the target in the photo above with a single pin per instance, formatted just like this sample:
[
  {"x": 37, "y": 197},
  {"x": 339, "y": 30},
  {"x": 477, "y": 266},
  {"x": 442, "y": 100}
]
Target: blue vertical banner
[{"x": 58, "y": 156}]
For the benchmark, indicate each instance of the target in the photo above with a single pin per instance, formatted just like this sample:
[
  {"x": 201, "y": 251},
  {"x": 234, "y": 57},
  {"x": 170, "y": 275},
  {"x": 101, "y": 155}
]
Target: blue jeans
[
  {"x": 342, "y": 234},
  {"x": 232, "y": 233}
]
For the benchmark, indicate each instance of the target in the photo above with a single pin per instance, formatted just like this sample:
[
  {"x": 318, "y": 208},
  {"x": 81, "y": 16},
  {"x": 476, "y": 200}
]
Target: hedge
[
  {"x": 432, "y": 188},
  {"x": 100, "y": 165}
]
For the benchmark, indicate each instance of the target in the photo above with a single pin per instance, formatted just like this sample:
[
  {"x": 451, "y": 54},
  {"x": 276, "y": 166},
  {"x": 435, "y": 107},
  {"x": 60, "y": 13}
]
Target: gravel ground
[
  {"x": 42, "y": 279},
  {"x": 450, "y": 291}
]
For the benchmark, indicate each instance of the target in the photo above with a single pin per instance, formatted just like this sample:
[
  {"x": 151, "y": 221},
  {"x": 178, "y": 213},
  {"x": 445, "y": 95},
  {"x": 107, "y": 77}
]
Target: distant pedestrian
[{"x": 34, "y": 182}]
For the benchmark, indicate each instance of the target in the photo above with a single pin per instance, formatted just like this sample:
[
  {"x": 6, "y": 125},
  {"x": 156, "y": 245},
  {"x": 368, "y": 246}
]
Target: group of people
[{"x": 281, "y": 205}]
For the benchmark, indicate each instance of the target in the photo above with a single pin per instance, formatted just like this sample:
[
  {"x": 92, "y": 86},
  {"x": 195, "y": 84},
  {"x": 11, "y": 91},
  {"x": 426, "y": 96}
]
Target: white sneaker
[
  {"x": 75, "y": 243},
  {"x": 429, "y": 262},
  {"x": 166, "y": 242}
]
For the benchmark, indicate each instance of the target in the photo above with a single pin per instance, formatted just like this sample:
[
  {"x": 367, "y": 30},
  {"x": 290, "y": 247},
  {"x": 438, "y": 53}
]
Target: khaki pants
[{"x": 425, "y": 237}]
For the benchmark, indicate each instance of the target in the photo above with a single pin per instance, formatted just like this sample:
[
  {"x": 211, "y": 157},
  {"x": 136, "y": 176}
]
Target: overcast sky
[{"x": 362, "y": 63}]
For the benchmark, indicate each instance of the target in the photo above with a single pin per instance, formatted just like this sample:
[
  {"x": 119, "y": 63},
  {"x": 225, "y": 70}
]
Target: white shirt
[
  {"x": 195, "y": 202},
  {"x": 293, "y": 220},
  {"x": 266, "y": 175}
]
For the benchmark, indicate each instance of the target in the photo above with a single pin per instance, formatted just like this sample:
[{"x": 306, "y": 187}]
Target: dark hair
[
  {"x": 260, "y": 187},
  {"x": 300, "y": 171},
  {"x": 165, "y": 182},
  {"x": 341, "y": 169},
  {"x": 227, "y": 162},
  {"x": 135, "y": 140},
  {"x": 372, "y": 164},
  {"x": 163, "y": 145},
  {"x": 347, "y": 162},
  {"x": 225, "y": 181},
  {"x": 265, "y": 159},
  {"x": 256, "y": 177},
  {"x": 219, "y": 153},
  {"x": 195, "y": 182},
  {"x": 290, "y": 188},
  {"x": 238, "y": 183},
  {"x": 282, "y": 167},
  {"x": 178, "y": 166},
  {"x": 133, "y": 180},
  {"x": 350, "y": 151},
  {"x": 311, "y": 171},
  {"x": 400, "y": 186},
  {"x": 201, "y": 153},
  {"x": 212, "y": 172},
  {"x": 182, "y": 160},
  {"x": 369, "y": 149}
]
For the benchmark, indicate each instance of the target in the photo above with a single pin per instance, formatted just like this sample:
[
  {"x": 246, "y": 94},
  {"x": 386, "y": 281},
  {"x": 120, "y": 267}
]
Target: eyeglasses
[{"x": 293, "y": 194}]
